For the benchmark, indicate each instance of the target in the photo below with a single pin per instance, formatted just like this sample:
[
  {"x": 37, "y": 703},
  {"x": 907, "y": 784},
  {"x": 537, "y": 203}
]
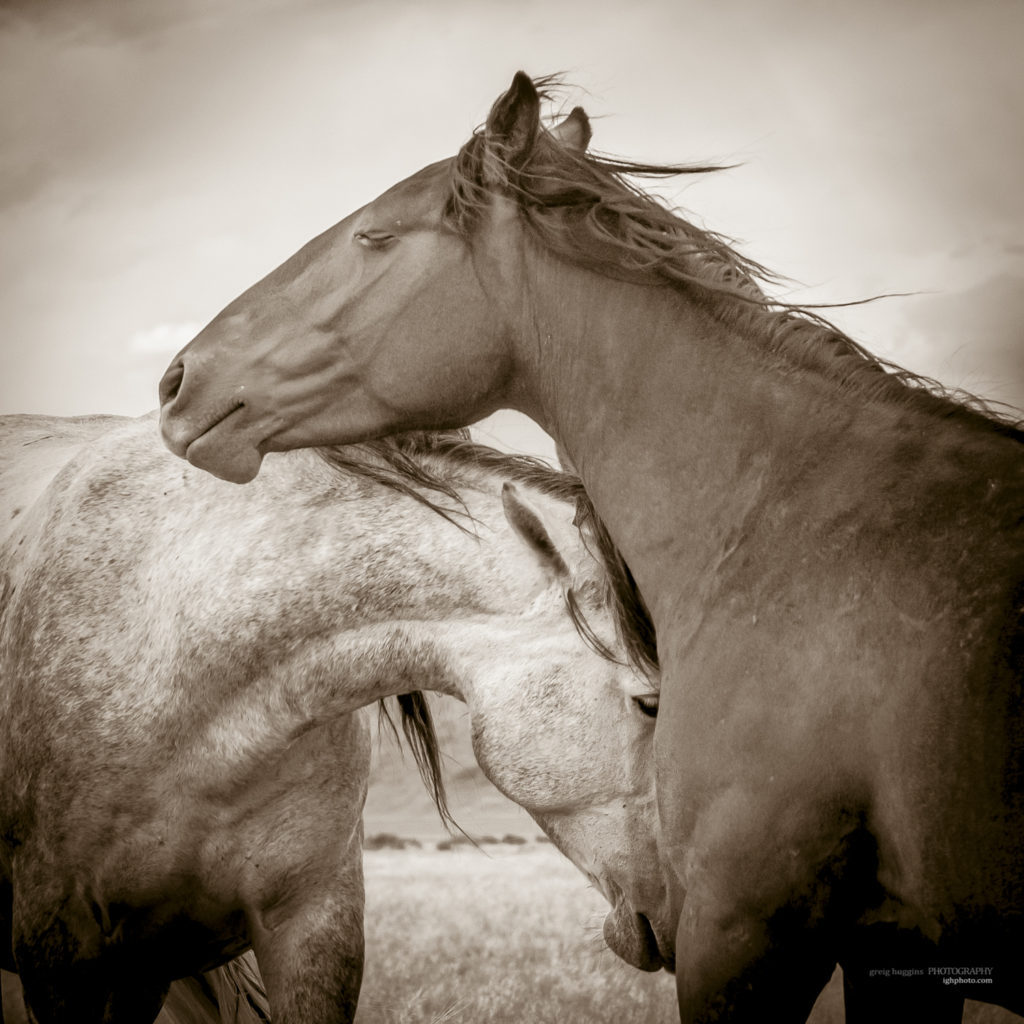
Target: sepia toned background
[{"x": 158, "y": 157}]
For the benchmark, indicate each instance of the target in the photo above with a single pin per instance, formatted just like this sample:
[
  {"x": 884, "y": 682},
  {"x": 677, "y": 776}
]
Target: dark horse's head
[{"x": 393, "y": 319}]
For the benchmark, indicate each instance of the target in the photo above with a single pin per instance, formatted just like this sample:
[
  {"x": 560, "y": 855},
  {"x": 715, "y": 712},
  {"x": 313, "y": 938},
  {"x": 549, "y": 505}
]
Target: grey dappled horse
[{"x": 180, "y": 663}]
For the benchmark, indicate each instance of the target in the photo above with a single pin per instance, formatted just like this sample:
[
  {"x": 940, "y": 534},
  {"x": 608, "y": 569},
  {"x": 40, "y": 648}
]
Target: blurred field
[{"x": 511, "y": 934}]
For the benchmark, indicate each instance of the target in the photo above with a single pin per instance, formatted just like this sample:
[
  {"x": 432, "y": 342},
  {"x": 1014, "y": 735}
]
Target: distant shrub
[
  {"x": 512, "y": 840},
  {"x": 454, "y": 841},
  {"x": 388, "y": 841}
]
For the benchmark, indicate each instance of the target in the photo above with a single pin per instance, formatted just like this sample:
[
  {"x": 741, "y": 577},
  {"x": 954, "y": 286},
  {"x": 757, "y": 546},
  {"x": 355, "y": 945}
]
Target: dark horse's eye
[
  {"x": 374, "y": 239},
  {"x": 648, "y": 704}
]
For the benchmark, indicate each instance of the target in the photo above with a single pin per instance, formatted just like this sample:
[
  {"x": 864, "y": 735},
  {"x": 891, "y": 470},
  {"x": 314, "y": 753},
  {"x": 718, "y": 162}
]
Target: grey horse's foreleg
[{"x": 311, "y": 959}]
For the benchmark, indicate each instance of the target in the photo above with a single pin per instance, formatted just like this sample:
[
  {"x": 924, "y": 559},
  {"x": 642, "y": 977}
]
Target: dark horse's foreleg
[
  {"x": 869, "y": 1002},
  {"x": 730, "y": 968},
  {"x": 765, "y": 910}
]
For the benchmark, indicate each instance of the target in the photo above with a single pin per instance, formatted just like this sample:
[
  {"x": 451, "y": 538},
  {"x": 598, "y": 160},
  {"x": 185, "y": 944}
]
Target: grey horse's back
[{"x": 33, "y": 450}]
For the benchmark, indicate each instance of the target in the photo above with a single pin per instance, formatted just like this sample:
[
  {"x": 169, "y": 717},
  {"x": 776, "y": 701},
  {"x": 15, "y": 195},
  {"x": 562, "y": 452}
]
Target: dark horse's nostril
[{"x": 170, "y": 383}]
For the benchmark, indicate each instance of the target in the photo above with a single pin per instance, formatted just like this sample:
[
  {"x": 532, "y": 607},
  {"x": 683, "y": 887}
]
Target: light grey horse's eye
[{"x": 648, "y": 704}]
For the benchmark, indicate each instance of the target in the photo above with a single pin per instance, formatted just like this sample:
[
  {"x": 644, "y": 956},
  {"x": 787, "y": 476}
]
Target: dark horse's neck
[{"x": 708, "y": 443}]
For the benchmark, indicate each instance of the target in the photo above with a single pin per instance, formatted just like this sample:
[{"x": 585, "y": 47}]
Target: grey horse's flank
[{"x": 33, "y": 449}]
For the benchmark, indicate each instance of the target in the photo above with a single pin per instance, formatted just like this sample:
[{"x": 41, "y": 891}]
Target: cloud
[
  {"x": 511, "y": 431},
  {"x": 163, "y": 339},
  {"x": 973, "y": 338}
]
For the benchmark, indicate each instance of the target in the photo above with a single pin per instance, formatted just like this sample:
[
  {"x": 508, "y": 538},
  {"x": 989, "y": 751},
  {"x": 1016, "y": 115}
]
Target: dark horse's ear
[
  {"x": 527, "y": 523},
  {"x": 510, "y": 131},
  {"x": 574, "y": 131}
]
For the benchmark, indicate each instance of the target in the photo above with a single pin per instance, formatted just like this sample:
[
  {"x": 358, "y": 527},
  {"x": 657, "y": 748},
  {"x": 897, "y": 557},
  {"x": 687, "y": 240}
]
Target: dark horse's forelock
[{"x": 585, "y": 209}]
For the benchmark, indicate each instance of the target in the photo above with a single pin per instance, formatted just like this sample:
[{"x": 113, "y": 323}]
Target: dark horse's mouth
[
  {"x": 231, "y": 454},
  {"x": 212, "y": 424}
]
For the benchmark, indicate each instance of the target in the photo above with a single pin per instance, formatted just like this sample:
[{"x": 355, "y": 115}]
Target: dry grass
[
  {"x": 508, "y": 935},
  {"x": 511, "y": 935}
]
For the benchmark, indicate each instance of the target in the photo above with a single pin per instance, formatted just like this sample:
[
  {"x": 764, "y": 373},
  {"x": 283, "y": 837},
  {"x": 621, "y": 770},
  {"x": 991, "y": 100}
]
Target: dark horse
[
  {"x": 829, "y": 551},
  {"x": 182, "y": 757}
]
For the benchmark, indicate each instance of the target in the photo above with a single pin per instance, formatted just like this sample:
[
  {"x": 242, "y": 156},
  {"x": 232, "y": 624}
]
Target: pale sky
[{"x": 158, "y": 157}]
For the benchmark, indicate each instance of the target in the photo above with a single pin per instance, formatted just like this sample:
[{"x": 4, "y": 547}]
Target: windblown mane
[
  {"x": 429, "y": 467},
  {"x": 584, "y": 209}
]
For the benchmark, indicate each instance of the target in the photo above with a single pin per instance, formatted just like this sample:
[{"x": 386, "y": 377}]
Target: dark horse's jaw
[{"x": 227, "y": 453}]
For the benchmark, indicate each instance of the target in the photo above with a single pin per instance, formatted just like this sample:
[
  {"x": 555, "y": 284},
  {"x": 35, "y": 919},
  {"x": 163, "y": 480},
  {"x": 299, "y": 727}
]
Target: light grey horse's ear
[
  {"x": 573, "y": 131},
  {"x": 511, "y": 128},
  {"x": 528, "y": 524}
]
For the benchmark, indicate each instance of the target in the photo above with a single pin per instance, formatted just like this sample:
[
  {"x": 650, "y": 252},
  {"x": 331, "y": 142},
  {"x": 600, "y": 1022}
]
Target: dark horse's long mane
[
  {"x": 584, "y": 208},
  {"x": 430, "y": 467}
]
